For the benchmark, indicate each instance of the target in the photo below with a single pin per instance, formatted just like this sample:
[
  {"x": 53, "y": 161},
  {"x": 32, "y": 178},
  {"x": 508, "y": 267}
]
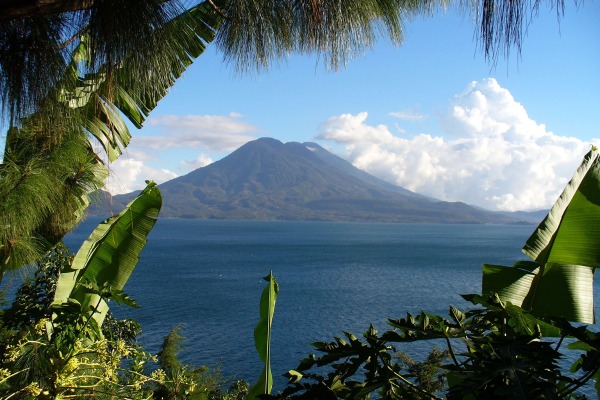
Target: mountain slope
[{"x": 266, "y": 179}]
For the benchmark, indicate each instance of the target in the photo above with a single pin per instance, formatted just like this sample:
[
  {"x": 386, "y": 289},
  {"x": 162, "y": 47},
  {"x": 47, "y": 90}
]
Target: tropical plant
[
  {"x": 565, "y": 249},
  {"x": 69, "y": 70},
  {"x": 496, "y": 351},
  {"x": 37, "y": 364},
  {"x": 183, "y": 381},
  {"x": 106, "y": 259},
  {"x": 428, "y": 375},
  {"x": 262, "y": 337},
  {"x": 37, "y": 38},
  {"x": 55, "y": 345},
  {"x": 178, "y": 382},
  {"x": 72, "y": 71},
  {"x": 59, "y": 341},
  {"x": 32, "y": 300}
]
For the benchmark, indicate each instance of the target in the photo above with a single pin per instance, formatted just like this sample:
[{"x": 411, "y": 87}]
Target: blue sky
[{"x": 431, "y": 115}]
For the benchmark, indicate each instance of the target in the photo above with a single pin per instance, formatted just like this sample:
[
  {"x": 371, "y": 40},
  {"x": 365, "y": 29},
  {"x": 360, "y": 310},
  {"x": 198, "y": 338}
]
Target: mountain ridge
[{"x": 266, "y": 179}]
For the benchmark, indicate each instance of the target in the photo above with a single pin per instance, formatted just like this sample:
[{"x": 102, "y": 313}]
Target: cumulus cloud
[
  {"x": 206, "y": 132},
  {"x": 128, "y": 174},
  {"x": 492, "y": 154}
]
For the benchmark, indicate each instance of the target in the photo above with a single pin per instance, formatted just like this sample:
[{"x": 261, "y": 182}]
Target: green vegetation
[
  {"x": 50, "y": 168},
  {"x": 52, "y": 352},
  {"x": 72, "y": 72},
  {"x": 59, "y": 340},
  {"x": 495, "y": 351},
  {"x": 262, "y": 337},
  {"x": 510, "y": 345}
]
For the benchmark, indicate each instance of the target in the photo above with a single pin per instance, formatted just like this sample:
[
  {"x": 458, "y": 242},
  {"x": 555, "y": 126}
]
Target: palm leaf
[
  {"x": 140, "y": 86},
  {"x": 570, "y": 233},
  {"x": 108, "y": 257},
  {"x": 562, "y": 290},
  {"x": 106, "y": 124},
  {"x": 137, "y": 86}
]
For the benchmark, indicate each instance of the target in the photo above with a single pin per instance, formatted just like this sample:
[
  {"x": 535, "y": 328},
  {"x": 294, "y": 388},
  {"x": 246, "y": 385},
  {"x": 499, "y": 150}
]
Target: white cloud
[
  {"x": 495, "y": 155},
  {"x": 399, "y": 129},
  {"x": 206, "y": 132},
  {"x": 129, "y": 174},
  {"x": 409, "y": 114}
]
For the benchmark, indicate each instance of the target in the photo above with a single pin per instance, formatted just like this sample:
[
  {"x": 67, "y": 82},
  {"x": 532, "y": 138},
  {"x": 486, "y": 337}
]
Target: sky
[{"x": 433, "y": 115}]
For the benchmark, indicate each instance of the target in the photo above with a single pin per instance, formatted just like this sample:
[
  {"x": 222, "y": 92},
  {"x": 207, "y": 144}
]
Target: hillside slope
[{"x": 269, "y": 180}]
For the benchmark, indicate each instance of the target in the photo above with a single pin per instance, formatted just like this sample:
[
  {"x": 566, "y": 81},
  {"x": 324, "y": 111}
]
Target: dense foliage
[
  {"x": 494, "y": 351},
  {"x": 48, "y": 352}
]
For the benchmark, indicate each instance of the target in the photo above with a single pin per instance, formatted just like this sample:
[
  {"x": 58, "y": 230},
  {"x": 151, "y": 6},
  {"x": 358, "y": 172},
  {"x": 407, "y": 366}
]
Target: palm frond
[
  {"x": 49, "y": 168},
  {"x": 31, "y": 63},
  {"x": 45, "y": 189},
  {"x": 503, "y": 24}
]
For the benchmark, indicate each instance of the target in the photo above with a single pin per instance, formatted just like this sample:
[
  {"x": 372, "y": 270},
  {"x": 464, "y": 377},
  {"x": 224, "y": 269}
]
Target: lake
[{"x": 333, "y": 277}]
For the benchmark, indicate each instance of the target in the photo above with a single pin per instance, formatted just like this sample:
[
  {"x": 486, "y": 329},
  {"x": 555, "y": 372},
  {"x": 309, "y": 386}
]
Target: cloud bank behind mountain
[{"x": 491, "y": 153}]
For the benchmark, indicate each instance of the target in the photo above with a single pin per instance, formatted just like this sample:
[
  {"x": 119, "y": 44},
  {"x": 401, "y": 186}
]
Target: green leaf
[
  {"x": 140, "y": 85},
  {"x": 307, "y": 363},
  {"x": 579, "y": 345},
  {"x": 110, "y": 254},
  {"x": 566, "y": 247},
  {"x": 511, "y": 284},
  {"x": 564, "y": 291},
  {"x": 457, "y": 315},
  {"x": 570, "y": 233},
  {"x": 86, "y": 101},
  {"x": 262, "y": 337}
]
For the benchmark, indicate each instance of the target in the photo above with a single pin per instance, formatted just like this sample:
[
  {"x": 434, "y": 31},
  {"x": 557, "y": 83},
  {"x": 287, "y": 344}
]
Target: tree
[
  {"x": 58, "y": 348},
  {"x": 50, "y": 166}
]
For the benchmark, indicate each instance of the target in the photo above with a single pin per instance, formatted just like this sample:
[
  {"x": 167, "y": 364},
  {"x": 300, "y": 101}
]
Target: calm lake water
[{"x": 333, "y": 277}]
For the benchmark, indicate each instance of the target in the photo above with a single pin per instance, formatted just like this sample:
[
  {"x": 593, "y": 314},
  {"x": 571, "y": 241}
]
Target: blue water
[{"x": 333, "y": 277}]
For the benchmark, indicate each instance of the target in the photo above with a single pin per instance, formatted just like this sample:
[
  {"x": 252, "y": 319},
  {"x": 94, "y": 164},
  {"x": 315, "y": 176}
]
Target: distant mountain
[
  {"x": 533, "y": 217},
  {"x": 269, "y": 180}
]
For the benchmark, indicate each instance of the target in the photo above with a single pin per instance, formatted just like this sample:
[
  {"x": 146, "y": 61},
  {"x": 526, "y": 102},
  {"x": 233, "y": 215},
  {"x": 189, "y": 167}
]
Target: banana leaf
[
  {"x": 109, "y": 255},
  {"x": 511, "y": 284},
  {"x": 565, "y": 247},
  {"x": 262, "y": 338}
]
